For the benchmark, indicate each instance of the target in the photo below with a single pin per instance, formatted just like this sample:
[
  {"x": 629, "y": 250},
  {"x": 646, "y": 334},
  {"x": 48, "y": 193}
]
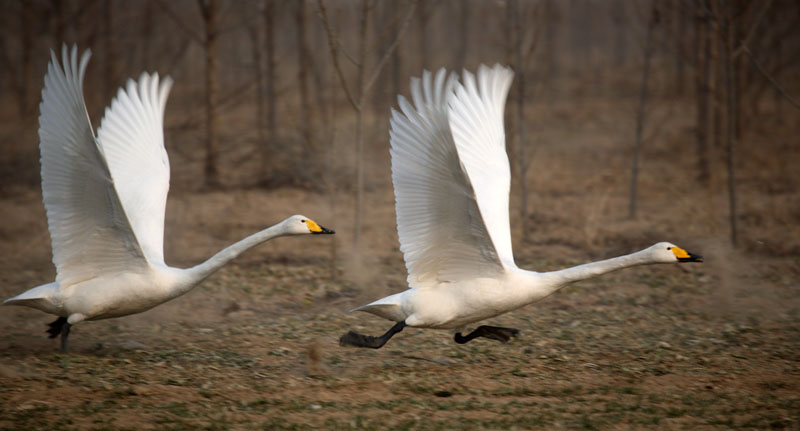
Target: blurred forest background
[{"x": 678, "y": 115}]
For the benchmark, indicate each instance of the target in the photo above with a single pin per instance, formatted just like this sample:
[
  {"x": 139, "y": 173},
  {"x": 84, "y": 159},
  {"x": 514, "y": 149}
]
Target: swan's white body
[
  {"x": 105, "y": 198},
  {"x": 137, "y": 289},
  {"x": 451, "y": 178},
  {"x": 455, "y": 304}
]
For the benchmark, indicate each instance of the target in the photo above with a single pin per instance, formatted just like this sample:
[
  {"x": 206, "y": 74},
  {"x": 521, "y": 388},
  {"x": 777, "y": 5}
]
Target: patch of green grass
[
  {"x": 221, "y": 423},
  {"x": 420, "y": 389},
  {"x": 519, "y": 391},
  {"x": 724, "y": 421},
  {"x": 674, "y": 412},
  {"x": 516, "y": 372},
  {"x": 630, "y": 390},
  {"x": 178, "y": 409}
]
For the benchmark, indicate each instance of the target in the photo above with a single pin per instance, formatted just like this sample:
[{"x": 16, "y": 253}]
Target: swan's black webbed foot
[
  {"x": 353, "y": 338},
  {"x": 360, "y": 340},
  {"x": 492, "y": 332},
  {"x": 64, "y": 334},
  {"x": 60, "y": 326},
  {"x": 55, "y": 327}
]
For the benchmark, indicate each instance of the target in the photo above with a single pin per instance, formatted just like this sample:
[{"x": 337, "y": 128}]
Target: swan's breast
[{"x": 452, "y": 305}]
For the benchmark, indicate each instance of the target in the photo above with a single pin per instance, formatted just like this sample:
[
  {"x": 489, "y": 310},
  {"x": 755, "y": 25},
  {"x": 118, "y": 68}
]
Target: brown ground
[{"x": 707, "y": 346}]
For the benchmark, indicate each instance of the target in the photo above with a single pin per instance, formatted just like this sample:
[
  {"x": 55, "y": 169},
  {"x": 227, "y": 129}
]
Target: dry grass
[{"x": 255, "y": 347}]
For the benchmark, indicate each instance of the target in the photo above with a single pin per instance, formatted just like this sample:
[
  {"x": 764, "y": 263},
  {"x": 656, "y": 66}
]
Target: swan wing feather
[
  {"x": 131, "y": 138},
  {"x": 442, "y": 235},
  {"x": 476, "y": 121},
  {"x": 89, "y": 231}
]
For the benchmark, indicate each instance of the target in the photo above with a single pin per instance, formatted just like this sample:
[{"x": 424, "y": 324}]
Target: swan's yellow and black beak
[
  {"x": 317, "y": 229},
  {"x": 685, "y": 256}
]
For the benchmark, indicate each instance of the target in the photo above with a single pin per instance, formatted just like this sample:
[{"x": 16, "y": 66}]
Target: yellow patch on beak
[
  {"x": 314, "y": 227},
  {"x": 680, "y": 253}
]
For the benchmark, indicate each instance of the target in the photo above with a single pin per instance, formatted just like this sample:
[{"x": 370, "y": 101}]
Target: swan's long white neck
[
  {"x": 549, "y": 282},
  {"x": 198, "y": 273},
  {"x": 588, "y": 270}
]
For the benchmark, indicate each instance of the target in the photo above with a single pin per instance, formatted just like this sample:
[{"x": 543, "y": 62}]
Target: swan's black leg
[
  {"x": 60, "y": 326},
  {"x": 492, "y": 332},
  {"x": 359, "y": 340},
  {"x": 55, "y": 327},
  {"x": 64, "y": 334}
]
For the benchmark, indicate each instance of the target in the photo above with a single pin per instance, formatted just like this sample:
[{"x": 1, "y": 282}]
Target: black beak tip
[
  {"x": 692, "y": 258},
  {"x": 326, "y": 231}
]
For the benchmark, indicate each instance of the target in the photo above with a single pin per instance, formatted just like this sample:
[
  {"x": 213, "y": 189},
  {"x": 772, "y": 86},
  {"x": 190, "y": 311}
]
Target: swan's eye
[
  {"x": 302, "y": 221},
  {"x": 669, "y": 248}
]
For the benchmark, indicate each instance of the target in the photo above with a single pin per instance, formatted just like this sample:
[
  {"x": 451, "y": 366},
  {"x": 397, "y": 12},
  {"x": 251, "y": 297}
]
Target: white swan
[
  {"x": 451, "y": 179},
  {"x": 105, "y": 199}
]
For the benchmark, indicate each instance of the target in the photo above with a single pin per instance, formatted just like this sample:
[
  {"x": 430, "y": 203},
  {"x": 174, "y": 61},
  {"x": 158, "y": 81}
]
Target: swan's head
[
  {"x": 302, "y": 225},
  {"x": 665, "y": 252}
]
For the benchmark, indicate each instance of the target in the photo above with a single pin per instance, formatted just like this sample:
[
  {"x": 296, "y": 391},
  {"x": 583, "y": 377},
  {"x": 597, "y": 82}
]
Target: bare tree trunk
[
  {"x": 146, "y": 35},
  {"x": 109, "y": 58},
  {"x": 24, "y": 87},
  {"x": 551, "y": 68},
  {"x": 648, "y": 53},
  {"x": 777, "y": 95},
  {"x": 680, "y": 49},
  {"x": 522, "y": 156},
  {"x": 702, "y": 78},
  {"x": 58, "y": 15},
  {"x": 84, "y": 25},
  {"x": 397, "y": 71},
  {"x": 397, "y": 61},
  {"x": 362, "y": 58},
  {"x": 269, "y": 40},
  {"x": 732, "y": 120},
  {"x": 717, "y": 72},
  {"x": 424, "y": 44},
  {"x": 620, "y": 36},
  {"x": 302, "y": 79},
  {"x": 255, "y": 40},
  {"x": 209, "y": 12},
  {"x": 463, "y": 33},
  {"x": 512, "y": 6}
]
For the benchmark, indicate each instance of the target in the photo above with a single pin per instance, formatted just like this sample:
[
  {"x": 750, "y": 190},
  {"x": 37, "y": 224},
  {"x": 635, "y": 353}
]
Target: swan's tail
[
  {"x": 40, "y": 297},
  {"x": 389, "y": 308}
]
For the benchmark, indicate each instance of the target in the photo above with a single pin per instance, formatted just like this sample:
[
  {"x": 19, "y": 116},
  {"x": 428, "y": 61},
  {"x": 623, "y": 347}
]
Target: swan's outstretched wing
[
  {"x": 476, "y": 120},
  {"x": 90, "y": 233},
  {"x": 131, "y": 138},
  {"x": 442, "y": 234}
]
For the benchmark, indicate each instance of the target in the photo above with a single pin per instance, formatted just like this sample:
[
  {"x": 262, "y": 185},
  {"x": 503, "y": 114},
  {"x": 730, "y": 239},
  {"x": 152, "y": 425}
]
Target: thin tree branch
[
  {"x": 175, "y": 18},
  {"x": 743, "y": 49},
  {"x": 244, "y": 22},
  {"x": 712, "y": 16},
  {"x": 346, "y": 54},
  {"x": 391, "y": 48},
  {"x": 772, "y": 80},
  {"x": 332, "y": 45},
  {"x": 9, "y": 65},
  {"x": 178, "y": 57},
  {"x": 535, "y": 41},
  {"x": 382, "y": 39},
  {"x": 753, "y": 28},
  {"x": 193, "y": 120}
]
